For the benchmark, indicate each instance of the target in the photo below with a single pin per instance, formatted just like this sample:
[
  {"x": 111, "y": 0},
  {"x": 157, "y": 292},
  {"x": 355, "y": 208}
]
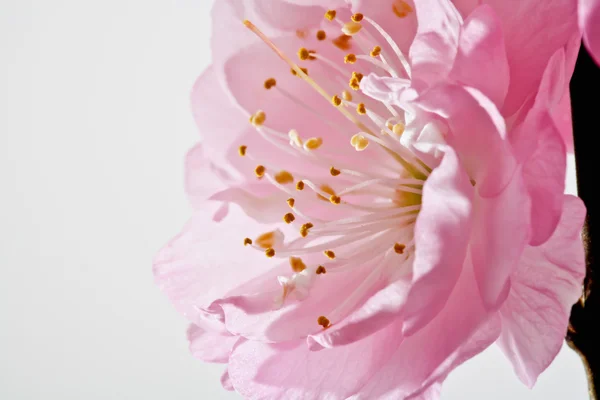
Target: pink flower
[
  {"x": 397, "y": 232},
  {"x": 589, "y": 22}
]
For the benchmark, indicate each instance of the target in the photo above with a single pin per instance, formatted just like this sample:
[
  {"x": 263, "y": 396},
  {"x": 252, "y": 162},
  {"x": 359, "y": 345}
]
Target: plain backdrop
[{"x": 94, "y": 123}]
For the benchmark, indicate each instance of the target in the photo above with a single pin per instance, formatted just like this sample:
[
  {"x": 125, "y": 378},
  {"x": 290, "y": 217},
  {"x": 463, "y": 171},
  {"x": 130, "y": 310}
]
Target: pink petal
[
  {"x": 481, "y": 60},
  {"x": 435, "y": 45},
  {"x": 528, "y": 51},
  {"x": 589, "y": 23},
  {"x": 441, "y": 238},
  {"x": 540, "y": 147},
  {"x": 500, "y": 232},
  {"x": 290, "y": 371},
  {"x": 545, "y": 285},
  {"x": 286, "y": 16},
  {"x": 186, "y": 268},
  {"x": 202, "y": 177},
  {"x": 478, "y": 134},
  {"x": 210, "y": 346},
  {"x": 226, "y": 381},
  {"x": 460, "y": 331}
]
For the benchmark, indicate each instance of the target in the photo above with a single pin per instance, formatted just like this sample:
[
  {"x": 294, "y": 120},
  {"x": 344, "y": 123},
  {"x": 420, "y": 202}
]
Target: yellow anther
[
  {"x": 321, "y": 35},
  {"x": 361, "y": 109},
  {"x": 398, "y": 129},
  {"x": 399, "y": 248},
  {"x": 321, "y": 270},
  {"x": 304, "y": 229},
  {"x": 359, "y": 142},
  {"x": 258, "y": 118},
  {"x": 289, "y": 218},
  {"x": 330, "y": 15},
  {"x": 335, "y": 199},
  {"x": 242, "y": 150},
  {"x": 323, "y": 321},
  {"x": 350, "y": 59},
  {"x": 330, "y": 254},
  {"x": 351, "y": 28},
  {"x": 346, "y": 95},
  {"x": 303, "y": 54},
  {"x": 354, "y": 84},
  {"x": 284, "y": 177},
  {"x": 376, "y": 51},
  {"x": 269, "y": 83},
  {"x": 300, "y": 185},
  {"x": 259, "y": 171},
  {"x": 343, "y": 42},
  {"x": 336, "y": 101},
  {"x": 302, "y": 69},
  {"x": 357, "y": 75},
  {"x": 295, "y": 138},
  {"x": 313, "y": 143},
  {"x": 247, "y": 241},
  {"x": 297, "y": 264},
  {"x": 334, "y": 172},
  {"x": 291, "y": 202},
  {"x": 270, "y": 252},
  {"x": 401, "y": 8},
  {"x": 357, "y": 17},
  {"x": 266, "y": 240}
]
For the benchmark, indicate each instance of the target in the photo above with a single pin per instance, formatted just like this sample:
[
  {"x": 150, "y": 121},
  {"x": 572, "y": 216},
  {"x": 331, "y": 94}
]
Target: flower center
[{"x": 372, "y": 218}]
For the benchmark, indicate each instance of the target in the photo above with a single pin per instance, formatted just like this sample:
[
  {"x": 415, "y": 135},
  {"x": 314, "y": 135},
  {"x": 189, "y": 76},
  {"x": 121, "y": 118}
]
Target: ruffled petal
[
  {"x": 547, "y": 282},
  {"x": 210, "y": 345}
]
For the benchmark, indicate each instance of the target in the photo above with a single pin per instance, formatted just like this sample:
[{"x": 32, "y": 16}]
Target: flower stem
[{"x": 584, "y": 328}]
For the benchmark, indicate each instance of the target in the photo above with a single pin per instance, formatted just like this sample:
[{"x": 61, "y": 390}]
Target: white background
[{"x": 94, "y": 125}]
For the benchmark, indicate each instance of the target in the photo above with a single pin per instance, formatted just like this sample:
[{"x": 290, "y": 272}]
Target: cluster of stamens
[{"x": 380, "y": 202}]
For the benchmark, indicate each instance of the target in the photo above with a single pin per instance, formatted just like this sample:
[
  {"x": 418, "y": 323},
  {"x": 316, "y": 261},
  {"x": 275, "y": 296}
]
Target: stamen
[
  {"x": 398, "y": 129},
  {"x": 351, "y": 28},
  {"x": 361, "y": 109},
  {"x": 330, "y": 254},
  {"x": 284, "y": 177},
  {"x": 346, "y": 95},
  {"x": 330, "y": 15},
  {"x": 359, "y": 142},
  {"x": 334, "y": 172},
  {"x": 247, "y": 241},
  {"x": 297, "y": 264},
  {"x": 303, "y": 54},
  {"x": 259, "y": 171},
  {"x": 399, "y": 248},
  {"x": 289, "y": 218},
  {"x": 323, "y": 190},
  {"x": 304, "y": 229},
  {"x": 242, "y": 150},
  {"x": 336, "y": 101},
  {"x": 291, "y": 202},
  {"x": 392, "y": 44},
  {"x": 321, "y": 35},
  {"x": 313, "y": 143},
  {"x": 295, "y": 73},
  {"x": 300, "y": 185},
  {"x": 335, "y": 199},
  {"x": 258, "y": 118},
  {"x": 357, "y": 17},
  {"x": 266, "y": 240},
  {"x": 323, "y": 321},
  {"x": 270, "y": 253},
  {"x": 376, "y": 51},
  {"x": 350, "y": 59},
  {"x": 269, "y": 83},
  {"x": 321, "y": 270}
]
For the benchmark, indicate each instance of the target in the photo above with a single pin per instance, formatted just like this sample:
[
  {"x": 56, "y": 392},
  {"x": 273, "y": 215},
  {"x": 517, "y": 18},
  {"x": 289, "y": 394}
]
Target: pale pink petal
[
  {"x": 545, "y": 285},
  {"x": 287, "y": 16},
  {"x": 481, "y": 60},
  {"x": 528, "y": 50},
  {"x": 261, "y": 202},
  {"x": 589, "y": 23},
  {"x": 206, "y": 260},
  {"x": 501, "y": 231},
  {"x": 539, "y": 145},
  {"x": 202, "y": 176},
  {"x": 441, "y": 239},
  {"x": 460, "y": 331},
  {"x": 210, "y": 346},
  {"x": 290, "y": 371},
  {"x": 465, "y": 7},
  {"x": 226, "y": 381},
  {"x": 478, "y": 134},
  {"x": 434, "y": 49}
]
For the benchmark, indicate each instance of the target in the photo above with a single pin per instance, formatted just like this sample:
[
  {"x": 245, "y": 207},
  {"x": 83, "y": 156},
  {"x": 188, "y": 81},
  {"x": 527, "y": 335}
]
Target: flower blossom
[
  {"x": 378, "y": 195},
  {"x": 589, "y": 23}
]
